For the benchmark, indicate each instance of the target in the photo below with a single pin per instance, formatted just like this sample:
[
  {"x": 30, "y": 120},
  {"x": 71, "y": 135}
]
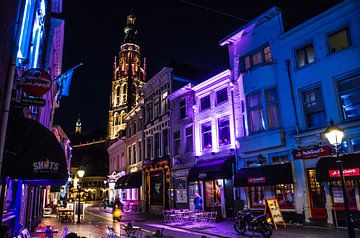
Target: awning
[
  {"x": 327, "y": 169},
  {"x": 33, "y": 153},
  {"x": 212, "y": 169},
  {"x": 264, "y": 175},
  {"x": 132, "y": 180}
]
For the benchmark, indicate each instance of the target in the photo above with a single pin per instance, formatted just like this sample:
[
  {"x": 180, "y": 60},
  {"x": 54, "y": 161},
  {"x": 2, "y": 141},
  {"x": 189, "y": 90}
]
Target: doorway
[{"x": 316, "y": 196}]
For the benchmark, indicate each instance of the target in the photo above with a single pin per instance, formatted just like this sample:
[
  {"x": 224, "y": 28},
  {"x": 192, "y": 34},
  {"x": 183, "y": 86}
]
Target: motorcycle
[{"x": 245, "y": 221}]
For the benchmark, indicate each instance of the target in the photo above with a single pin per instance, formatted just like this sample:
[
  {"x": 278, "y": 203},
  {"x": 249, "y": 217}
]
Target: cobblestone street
[{"x": 97, "y": 220}]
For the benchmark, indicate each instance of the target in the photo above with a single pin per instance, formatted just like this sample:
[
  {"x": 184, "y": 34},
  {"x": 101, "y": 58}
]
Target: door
[{"x": 316, "y": 196}]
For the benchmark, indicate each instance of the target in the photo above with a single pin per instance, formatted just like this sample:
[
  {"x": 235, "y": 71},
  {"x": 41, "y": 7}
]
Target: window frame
[
  {"x": 306, "y": 115},
  {"x": 306, "y": 58},
  {"x": 257, "y": 107},
  {"x": 347, "y": 92},
  {"x": 338, "y": 30},
  {"x": 177, "y": 142},
  {"x": 201, "y": 100},
  {"x": 248, "y": 58},
  {"x": 182, "y": 109},
  {"x": 187, "y": 149},
  {"x": 220, "y": 119},
  {"x": 217, "y": 96},
  {"x": 206, "y": 132}
]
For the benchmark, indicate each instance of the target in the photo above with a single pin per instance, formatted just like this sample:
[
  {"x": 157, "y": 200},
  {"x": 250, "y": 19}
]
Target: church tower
[{"x": 128, "y": 78}]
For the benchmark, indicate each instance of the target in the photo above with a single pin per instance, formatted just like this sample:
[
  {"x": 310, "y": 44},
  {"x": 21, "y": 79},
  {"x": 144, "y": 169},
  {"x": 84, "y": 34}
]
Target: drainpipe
[{"x": 292, "y": 94}]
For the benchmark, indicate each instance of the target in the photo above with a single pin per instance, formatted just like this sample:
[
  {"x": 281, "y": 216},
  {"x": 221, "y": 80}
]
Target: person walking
[{"x": 198, "y": 203}]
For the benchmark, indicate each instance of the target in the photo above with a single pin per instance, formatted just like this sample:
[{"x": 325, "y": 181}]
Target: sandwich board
[{"x": 275, "y": 212}]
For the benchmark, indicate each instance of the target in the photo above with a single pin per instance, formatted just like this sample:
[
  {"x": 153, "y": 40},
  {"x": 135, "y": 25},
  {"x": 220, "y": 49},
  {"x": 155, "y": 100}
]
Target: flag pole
[{"x": 73, "y": 68}]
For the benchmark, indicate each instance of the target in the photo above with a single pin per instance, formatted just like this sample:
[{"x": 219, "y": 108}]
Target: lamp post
[
  {"x": 80, "y": 174},
  {"x": 335, "y": 134}
]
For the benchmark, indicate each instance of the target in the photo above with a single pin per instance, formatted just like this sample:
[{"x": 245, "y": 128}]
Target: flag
[{"x": 64, "y": 81}]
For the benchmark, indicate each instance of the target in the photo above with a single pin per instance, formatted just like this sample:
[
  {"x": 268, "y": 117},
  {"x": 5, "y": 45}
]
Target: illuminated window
[
  {"x": 305, "y": 55},
  {"x": 205, "y": 103},
  {"x": 314, "y": 108},
  {"x": 206, "y": 135},
  {"x": 349, "y": 92},
  {"x": 259, "y": 56},
  {"x": 182, "y": 108},
  {"x": 339, "y": 40},
  {"x": 224, "y": 131},
  {"x": 221, "y": 96},
  {"x": 256, "y": 115}
]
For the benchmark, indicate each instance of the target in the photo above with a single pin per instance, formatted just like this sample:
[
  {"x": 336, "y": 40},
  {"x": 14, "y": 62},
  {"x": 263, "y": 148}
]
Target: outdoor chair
[{"x": 212, "y": 217}]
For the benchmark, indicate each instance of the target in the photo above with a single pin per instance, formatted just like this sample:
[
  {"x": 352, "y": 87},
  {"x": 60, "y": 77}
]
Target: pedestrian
[
  {"x": 198, "y": 203},
  {"x": 5, "y": 232}
]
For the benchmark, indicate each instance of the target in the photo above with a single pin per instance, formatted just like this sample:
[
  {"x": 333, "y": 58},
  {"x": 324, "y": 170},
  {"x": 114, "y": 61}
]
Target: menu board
[{"x": 275, "y": 212}]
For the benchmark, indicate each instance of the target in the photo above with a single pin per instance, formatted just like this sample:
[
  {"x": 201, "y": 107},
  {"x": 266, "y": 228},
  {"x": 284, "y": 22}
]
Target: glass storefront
[
  {"x": 352, "y": 188},
  {"x": 284, "y": 193}
]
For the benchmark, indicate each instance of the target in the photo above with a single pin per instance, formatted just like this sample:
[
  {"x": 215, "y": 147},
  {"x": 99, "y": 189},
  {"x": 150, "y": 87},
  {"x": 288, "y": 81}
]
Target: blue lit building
[
  {"x": 39, "y": 41},
  {"x": 290, "y": 84}
]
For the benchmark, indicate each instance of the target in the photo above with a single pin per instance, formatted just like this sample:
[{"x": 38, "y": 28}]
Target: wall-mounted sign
[
  {"x": 346, "y": 172},
  {"x": 35, "y": 82},
  {"x": 257, "y": 180},
  {"x": 311, "y": 153},
  {"x": 26, "y": 101},
  {"x": 45, "y": 166}
]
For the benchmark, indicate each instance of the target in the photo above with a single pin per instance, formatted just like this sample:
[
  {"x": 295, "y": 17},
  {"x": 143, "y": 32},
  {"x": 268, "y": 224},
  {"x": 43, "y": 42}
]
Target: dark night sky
[{"x": 169, "y": 30}]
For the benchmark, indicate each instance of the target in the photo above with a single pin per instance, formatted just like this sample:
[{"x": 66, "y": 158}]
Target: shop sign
[
  {"x": 45, "y": 166},
  {"x": 257, "y": 180},
  {"x": 311, "y": 153},
  {"x": 337, "y": 195},
  {"x": 36, "y": 82},
  {"x": 346, "y": 172},
  {"x": 27, "y": 101}
]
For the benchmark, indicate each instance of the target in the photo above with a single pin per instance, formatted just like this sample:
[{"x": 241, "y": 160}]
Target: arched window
[
  {"x": 124, "y": 93},
  {"x": 117, "y": 96},
  {"x": 116, "y": 122},
  {"x": 122, "y": 114}
]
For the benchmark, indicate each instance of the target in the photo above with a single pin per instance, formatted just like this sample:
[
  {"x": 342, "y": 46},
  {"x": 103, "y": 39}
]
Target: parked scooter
[{"x": 245, "y": 221}]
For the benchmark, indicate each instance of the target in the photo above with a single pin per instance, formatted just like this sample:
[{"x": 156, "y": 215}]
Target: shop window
[
  {"x": 206, "y": 135},
  {"x": 339, "y": 40},
  {"x": 224, "y": 131},
  {"x": 337, "y": 194},
  {"x": 256, "y": 197},
  {"x": 355, "y": 144},
  {"x": 189, "y": 139},
  {"x": 314, "y": 108},
  {"x": 305, "y": 55},
  {"x": 280, "y": 159},
  {"x": 284, "y": 193},
  {"x": 157, "y": 146},
  {"x": 349, "y": 92},
  {"x": 272, "y": 108},
  {"x": 205, "y": 103},
  {"x": 177, "y": 143},
  {"x": 212, "y": 193},
  {"x": 256, "y": 116},
  {"x": 221, "y": 96},
  {"x": 182, "y": 108}
]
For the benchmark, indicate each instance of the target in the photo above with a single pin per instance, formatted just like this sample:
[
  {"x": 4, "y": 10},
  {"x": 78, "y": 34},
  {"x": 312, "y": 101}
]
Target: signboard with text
[
  {"x": 312, "y": 152},
  {"x": 257, "y": 180},
  {"x": 36, "y": 82},
  {"x": 346, "y": 172},
  {"x": 275, "y": 212}
]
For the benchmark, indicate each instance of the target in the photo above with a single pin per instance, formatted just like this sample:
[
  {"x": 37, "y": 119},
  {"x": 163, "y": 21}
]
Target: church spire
[
  {"x": 130, "y": 30},
  {"x": 78, "y": 125}
]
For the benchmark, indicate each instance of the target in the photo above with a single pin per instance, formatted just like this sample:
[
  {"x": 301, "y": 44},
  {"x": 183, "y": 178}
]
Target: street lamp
[
  {"x": 335, "y": 134},
  {"x": 80, "y": 174}
]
